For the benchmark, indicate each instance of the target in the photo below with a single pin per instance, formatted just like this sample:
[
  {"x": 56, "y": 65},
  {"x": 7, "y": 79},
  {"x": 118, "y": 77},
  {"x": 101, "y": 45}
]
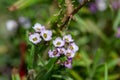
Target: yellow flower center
[
  {"x": 45, "y": 35},
  {"x": 38, "y": 28},
  {"x": 66, "y": 39},
  {"x": 55, "y": 52},
  {"x": 61, "y": 51},
  {"x": 71, "y": 47},
  {"x": 58, "y": 43},
  {"x": 35, "y": 39},
  {"x": 67, "y": 62},
  {"x": 68, "y": 54}
]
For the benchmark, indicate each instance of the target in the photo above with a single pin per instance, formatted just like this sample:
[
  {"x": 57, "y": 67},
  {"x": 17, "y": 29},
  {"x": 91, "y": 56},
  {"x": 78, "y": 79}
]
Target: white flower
[
  {"x": 53, "y": 53},
  {"x": 101, "y": 5},
  {"x": 38, "y": 27},
  {"x": 68, "y": 38},
  {"x": 58, "y": 42},
  {"x": 69, "y": 53},
  {"x": 46, "y": 34},
  {"x": 25, "y": 22},
  {"x": 11, "y": 25},
  {"x": 73, "y": 47},
  {"x": 35, "y": 38},
  {"x": 61, "y": 50}
]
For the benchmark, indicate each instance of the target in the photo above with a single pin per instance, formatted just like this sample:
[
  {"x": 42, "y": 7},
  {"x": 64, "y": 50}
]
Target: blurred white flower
[
  {"x": 101, "y": 5},
  {"x": 68, "y": 38},
  {"x": 35, "y": 38},
  {"x": 115, "y": 4},
  {"x": 11, "y": 25},
  {"x": 73, "y": 47},
  {"x": 46, "y": 34},
  {"x": 25, "y": 22},
  {"x": 38, "y": 27},
  {"x": 58, "y": 42}
]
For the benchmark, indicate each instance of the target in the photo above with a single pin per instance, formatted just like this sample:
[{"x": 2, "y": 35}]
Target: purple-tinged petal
[{"x": 58, "y": 42}]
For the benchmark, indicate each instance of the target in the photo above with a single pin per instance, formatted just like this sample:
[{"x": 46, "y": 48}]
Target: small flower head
[
  {"x": 47, "y": 35},
  {"x": 92, "y": 7},
  {"x": 101, "y": 5},
  {"x": 73, "y": 47},
  {"x": 38, "y": 27},
  {"x": 11, "y": 25},
  {"x": 69, "y": 53},
  {"x": 25, "y": 22},
  {"x": 53, "y": 53},
  {"x": 35, "y": 38},
  {"x": 68, "y": 38},
  {"x": 115, "y": 4},
  {"x": 68, "y": 64},
  {"x": 61, "y": 50},
  {"x": 58, "y": 42}
]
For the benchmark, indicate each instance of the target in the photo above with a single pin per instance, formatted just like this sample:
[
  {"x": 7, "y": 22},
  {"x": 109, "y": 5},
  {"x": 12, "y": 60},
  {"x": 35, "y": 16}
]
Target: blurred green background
[{"x": 95, "y": 29}]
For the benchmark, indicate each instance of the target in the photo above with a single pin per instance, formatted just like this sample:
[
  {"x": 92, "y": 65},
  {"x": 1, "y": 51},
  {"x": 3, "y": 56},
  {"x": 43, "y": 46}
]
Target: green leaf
[
  {"x": 15, "y": 77},
  {"x": 62, "y": 77},
  {"x": 106, "y": 72},
  {"x": 40, "y": 74},
  {"x": 75, "y": 75},
  {"x": 110, "y": 64},
  {"x": 30, "y": 56},
  {"x": 97, "y": 57},
  {"x": 20, "y": 4},
  {"x": 116, "y": 21},
  {"x": 113, "y": 77},
  {"x": 45, "y": 73},
  {"x": 85, "y": 58},
  {"x": 51, "y": 62},
  {"x": 89, "y": 26}
]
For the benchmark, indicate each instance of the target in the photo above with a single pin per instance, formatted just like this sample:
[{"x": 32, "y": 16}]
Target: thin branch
[
  {"x": 72, "y": 13},
  {"x": 69, "y": 9}
]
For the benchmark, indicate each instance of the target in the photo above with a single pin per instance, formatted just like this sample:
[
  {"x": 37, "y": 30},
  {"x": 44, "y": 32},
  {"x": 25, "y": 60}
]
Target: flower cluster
[
  {"x": 39, "y": 34},
  {"x": 64, "y": 48}
]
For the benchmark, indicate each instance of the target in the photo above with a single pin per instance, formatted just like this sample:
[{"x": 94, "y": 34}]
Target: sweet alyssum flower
[
  {"x": 69, "y": 53},
  {"x": 53, "y": 53},
  {"x": 73, "y": 47},
  {"x": 58, "y": 42},
  {"x": 68, "y": 63},
  {"x": 68, "y": 38},
  {"x": 46, "y": 34},
  {"x": 35, "y": 38},
  {"x": 38, "y": 27},
  {"x": 61, "y": 50}
]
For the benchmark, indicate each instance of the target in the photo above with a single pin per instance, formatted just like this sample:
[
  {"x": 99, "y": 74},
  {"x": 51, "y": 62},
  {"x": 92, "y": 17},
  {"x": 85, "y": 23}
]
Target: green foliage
[{"x": 94, "y": 33}]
